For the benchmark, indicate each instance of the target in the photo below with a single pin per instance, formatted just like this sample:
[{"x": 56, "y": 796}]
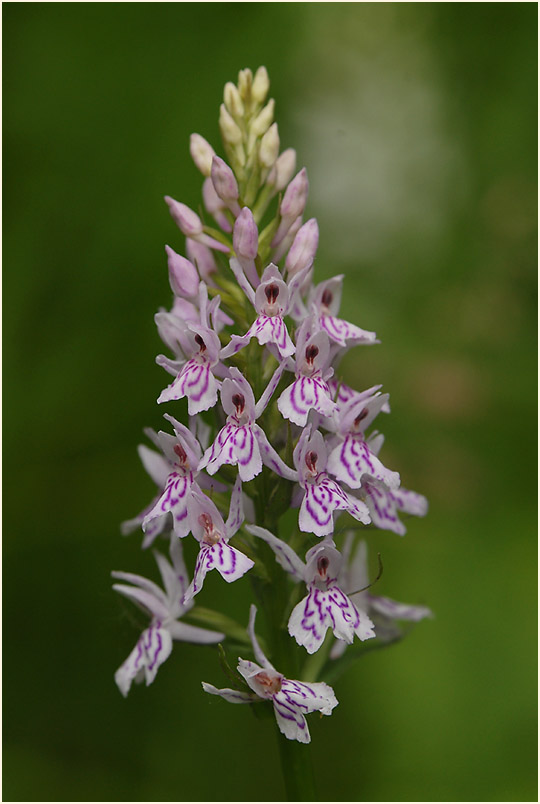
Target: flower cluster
[{"x": 254, "y": 341}]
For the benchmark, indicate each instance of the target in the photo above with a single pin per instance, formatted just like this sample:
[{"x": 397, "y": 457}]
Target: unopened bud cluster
[{"x": 255, "y": 343}]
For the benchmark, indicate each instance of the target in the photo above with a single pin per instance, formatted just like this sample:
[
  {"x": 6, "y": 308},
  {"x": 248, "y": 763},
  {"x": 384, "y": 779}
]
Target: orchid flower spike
[
  {"x": 291, "y": 700},
  {"x": 165, "y": 607}
]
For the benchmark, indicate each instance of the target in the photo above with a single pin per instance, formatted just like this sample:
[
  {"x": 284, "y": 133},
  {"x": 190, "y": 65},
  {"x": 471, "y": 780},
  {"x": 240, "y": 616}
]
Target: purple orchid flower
[
  {"x": 213, "y": 533},
  {"x": 242, "y": 442},
  {"x": 165, "y": 606},
  {"x": 326, "y": 605},
  {"x": 384, "y": 503},
  {"x": 183, "y": 453},
  {"x": 351, "y": 458},
  {"x": 310, "y": 389},
  {"x": 322, "y": 495},
  {"x": 271, "y": 302},
  {"x": 173, "y": 470},
  {"x": 353, "y": 577},
  {"x": 158, "y": 468},
  {"x": 326, "y": 299},
  {"x": 291, "y": 700},
  {"x": 198, "y": 347}
]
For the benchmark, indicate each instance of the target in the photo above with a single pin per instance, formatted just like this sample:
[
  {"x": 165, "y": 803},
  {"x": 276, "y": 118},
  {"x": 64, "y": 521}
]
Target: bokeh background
[{"x": 417, "y": 123}]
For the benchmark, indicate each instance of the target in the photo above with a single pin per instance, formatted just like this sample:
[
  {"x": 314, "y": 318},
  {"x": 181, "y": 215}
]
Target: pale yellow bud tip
[{"x": 261, "y": 85}]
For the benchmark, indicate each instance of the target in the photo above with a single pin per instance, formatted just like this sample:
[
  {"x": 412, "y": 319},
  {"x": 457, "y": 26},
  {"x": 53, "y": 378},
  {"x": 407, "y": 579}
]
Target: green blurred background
[{"x": 417, "y": 123}]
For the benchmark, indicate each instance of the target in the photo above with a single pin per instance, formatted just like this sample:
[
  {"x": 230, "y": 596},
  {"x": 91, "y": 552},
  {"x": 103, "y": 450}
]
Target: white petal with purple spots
[
  {"x": 197, "y": 383},
  {"x": 352, "y": 459},
  {"x": 303, "y": 395}
]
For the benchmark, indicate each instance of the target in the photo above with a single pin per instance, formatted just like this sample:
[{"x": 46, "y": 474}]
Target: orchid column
[{"x": 254, "y": 347}]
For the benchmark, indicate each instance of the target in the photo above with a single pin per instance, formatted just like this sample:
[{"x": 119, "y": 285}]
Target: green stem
[{"x": 297, "y": 769}]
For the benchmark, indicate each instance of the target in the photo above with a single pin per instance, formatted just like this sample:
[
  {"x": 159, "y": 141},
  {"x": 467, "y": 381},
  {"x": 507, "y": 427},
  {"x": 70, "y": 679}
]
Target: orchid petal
[
  {"x": 145, "y": 600},
  {"x": 321, "y": 500},
  {"x": 399, "y": 611},
  {"x": 174, "y": 500},
  {"x": 320, "y": 610},
  {"x": 152, "y": 649},
  {"x": 301, "y": 396},
  {"x": 142, "y": 583},
  {"x": 410, "y": 502},
  {"x": 236, "y": 509},
  {"x": 341, "y": 331},
  {"x": 348, "y": 619},
  {"x": 285, "y": 555},
  {"x": 291, "y": 722},
  {"x": 311, "y": 697},
  {"x": 191, "y": 633},
  {"x": 271, "y": 458},
  {"x": 229, "y": 562},
  {"x": 382, "y": 507},
  {"x": 257, "y": 650},
  {"x": 155, "y": 464},
  {"x": 154, "y": 529},
  {"x": 269, "y": 390},
  {"x": 309, "y": 621},
  {"x": 173, "y": 367},
  {"x": 232, "y": 696},
  {"x": 195, "y": 381},
  {"x": 240, "y": 276},
  {"x": 352, "y": 459}
]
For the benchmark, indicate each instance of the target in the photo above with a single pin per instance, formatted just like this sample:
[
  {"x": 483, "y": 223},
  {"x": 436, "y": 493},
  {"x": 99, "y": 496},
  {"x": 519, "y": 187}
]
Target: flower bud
[
  {"x": 183, "y": 276},
  {"x": 212, "y": 202},
  {"x": 201, "y": 152},
  {"x": 229, "y": 130},
  {"x": 245, "y": 80},
  {"x": 295, "y": 197},
  {"x": 187, "y": 221},
  {"x": 223, "y": 180},
  {"x": 233, "y": 101},
  {"x": 269, "y": 147},
  {"x": 304, "y": 247},
  {"x": 246, "y": 235},
  {"x": 261, "y": 85},
  {"x": 215, "y": 205},
  {"x": 284, "y": 169},
  {"x": 202, "y": 257},
  {"x": 284, "y": 237},
  {"x": 263, "y": 120}
]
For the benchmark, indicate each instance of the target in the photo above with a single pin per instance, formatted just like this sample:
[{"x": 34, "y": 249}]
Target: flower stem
[{"x": 297, "y": 769}]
